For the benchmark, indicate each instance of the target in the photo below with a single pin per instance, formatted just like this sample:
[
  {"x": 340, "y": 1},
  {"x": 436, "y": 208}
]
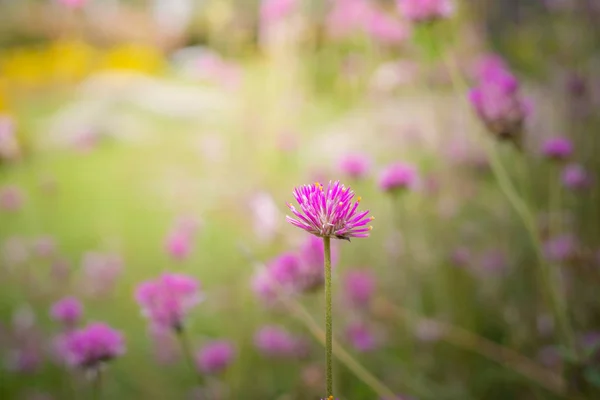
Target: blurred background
[{"x": 146, "y": 137}]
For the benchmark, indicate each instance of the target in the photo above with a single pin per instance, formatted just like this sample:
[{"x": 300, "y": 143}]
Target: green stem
[
  {"x": 187, "y": 353},
  {"x": 328, "y": 317},
  {"x": 97, "y": 384}
]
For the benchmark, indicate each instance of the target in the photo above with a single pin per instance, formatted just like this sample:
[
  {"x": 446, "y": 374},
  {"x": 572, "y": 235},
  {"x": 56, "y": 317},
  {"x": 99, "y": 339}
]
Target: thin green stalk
[
  {"x": 328, "y": 316},
  {"x": 97, "y": 384},
  {"x": 187, "y": 353}
]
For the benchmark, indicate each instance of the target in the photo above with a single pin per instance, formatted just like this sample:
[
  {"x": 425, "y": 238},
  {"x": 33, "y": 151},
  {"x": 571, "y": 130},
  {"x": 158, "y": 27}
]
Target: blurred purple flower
[
  {"x": 487, "y": 65},
  {"x": 264, "y": 287},
  {"x": 385, "y": 29},
  {"x": 347, "y": 17},
  {"x": 25, "y": 359},
  {"x": 559, "y": 148},
  {"x": 67, "y": 311},
  {"x": 272, "y": 11},
  {"x": 44, "y": 246},
  {"x": 101, "y": 271},
  {"x": 461, "y": 257},
  {"x": 215, "y": 357},
  {"x": 499, "y": 104},
  {"x": 329, "y": 212},
  {"x": 425, "y": 10},
  {"x": 397, "y": 177},
  {"x": 361, "y": 337},
  {"x": 166, "y": 300},
  {"x": 560, "y": 248},
  {"x": 179, "y": 244},
  {"x": 91, "y": 345},
  {"x": 274, "y": 341},
  {"x": 359, "y": 286},
  {"x": 312, "y": 259},
  {"x": 575, "y": 177},
  {"x": 11, "y": 198},
  {"x": 355, "y": 166}
]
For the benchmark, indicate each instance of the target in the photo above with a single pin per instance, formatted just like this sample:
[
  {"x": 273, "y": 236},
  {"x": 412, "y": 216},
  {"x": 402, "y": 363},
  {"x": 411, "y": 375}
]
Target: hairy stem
[{"x": 328, "y": 316}]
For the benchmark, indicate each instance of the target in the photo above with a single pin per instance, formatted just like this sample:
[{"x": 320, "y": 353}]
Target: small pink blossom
[
  {"x": 168, "y": 299},
  {"x": 359, "y": 287},
  {"x": 276, "y": 342},
  {"x": 91, "y": 345},
  {"x": 11, "y": 198},
  {"x": 559, "y": 148},
  {"x": 355, "y": 166},
  {"x": 398, "y": 177},
  {"x": 215, "y": 357},
  {"x": 67, "y": 311},
  {"x": 361, "y": 337},
  {"x": 426, "y": 10},
  {"x": 272, "y": 11}
]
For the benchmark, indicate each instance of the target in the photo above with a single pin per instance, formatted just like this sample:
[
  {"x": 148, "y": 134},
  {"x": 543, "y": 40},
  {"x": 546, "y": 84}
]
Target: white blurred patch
[{"x": 266, "y": 217}]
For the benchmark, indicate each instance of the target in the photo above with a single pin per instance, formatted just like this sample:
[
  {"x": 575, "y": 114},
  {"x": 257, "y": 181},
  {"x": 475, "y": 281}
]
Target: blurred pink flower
[
  {"x": 91, "y": 346},
  {"x": 67, "y": 311},
  {"x": 24, "y": 359},
  {"x": 272, "y": 11},
  {"x": 215, "y": 357},
  {"x": 560, "y": 248},
  {"x": 461, "y": 257},
  {"x": 11, "y": 198},
  {"x": 359, "y": 287},
  {"x": 361, "y": 337},
  {"x": 426, "y": 10},
  {"x": 274, "y": 341},
  {"x": 576, "y": 177},
  {"x": 312, "y": 261},
  {"x": 347, "y": 17},
  {"x": 168, "y": 299},
  {"x": 355, "y": 166},
  {"x": 101, "y": 272},
  {"x": 73, "y": 3},
  {"x": 44, "y": 246},
  {"x": 179, "y": 245},
  {"x": 385, "y": 29},
  {"x": 265, "y": 216},
  {"x": 212, "y": 67},
  {"x": 398, "y": 177},
  {"x": 559, "y": 148}
]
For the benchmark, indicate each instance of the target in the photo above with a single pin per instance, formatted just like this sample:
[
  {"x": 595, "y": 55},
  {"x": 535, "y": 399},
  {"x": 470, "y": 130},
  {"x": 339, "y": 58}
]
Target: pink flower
[
  {"x": 274, "y": 341},
  {"x": 559, "y": 148},
  {"x": 179, "y": 245},
  {"x": 386, "y": 29},
  {"x": 355, "y": 166},
  {"x": 91, "y": 346},
  {"x": 275, "y": 10},
  {"x": 215, "y": 357},
  {"x": 575, "y": 177},
  {"x": 426, "y": 10},
  {"x": 359, "y": 286},
  {"x": 44, "y": 246},
  {"x": 499, "y": 104},
  {"x": 101, "y": 271},
  {"x": 73, "y": 3},
  {"x": 560, "y": 248},
  {"x": 167, "y": 300},
  {"x": 361, "y": 337},
  {"x": 312, "y": 261},
  {"x": 329, "y": 212},
  {"x": 11, "y": 198},
  {"x": 348, "y": 16},
  {"x": 67, "y": 311},
  {"x": 397, "y": 177}
]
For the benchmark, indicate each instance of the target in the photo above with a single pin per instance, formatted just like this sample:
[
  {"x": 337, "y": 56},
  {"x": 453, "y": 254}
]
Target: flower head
[
  {"x": 92, "y": 345},
  {"x": 426, "y": 10},
  {"x": 575, "y": 177},
  {"x": 274, "y": 341},
  {"x": 329, "y": 212},
  {"x": 361, "y": 337},
  {"x": 560, "y": 248},
  {"x": 559, "y": 148},
  {"x": 359, "y": 287},
  {"x": 215, "y": 357},
  {"x": 355, "y": 166},
  {"x": 166, "y": 300},
  {"x": 67, "y": 311},
  {"x": 275, "y": 10},
  {"x": 11, "y": 198},
  {"x": 179, "y": 244},
  {"x": 397, "y": 176}
]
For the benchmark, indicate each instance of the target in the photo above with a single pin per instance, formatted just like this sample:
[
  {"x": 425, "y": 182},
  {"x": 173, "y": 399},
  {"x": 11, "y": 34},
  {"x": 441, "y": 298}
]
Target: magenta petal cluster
[
  {"x": 215, "y": 357},
  {"x": 329, "y": 212},
  {"x": 359, "y": 286},
  {"x": 498, "y": 102},
  {"x": 89, "y": 346},
  {"x": 425, "y": 10},
  {"x": 67, "y": 311},
  {"x": 559, "y": 148},
  {"x": 355, "y": 166},
  {"x": 397, "y": 176},
  {"x": 576, "y": 177},
  {"x": 166, "y": 300},
  {"x": 274, "y": 341}
]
